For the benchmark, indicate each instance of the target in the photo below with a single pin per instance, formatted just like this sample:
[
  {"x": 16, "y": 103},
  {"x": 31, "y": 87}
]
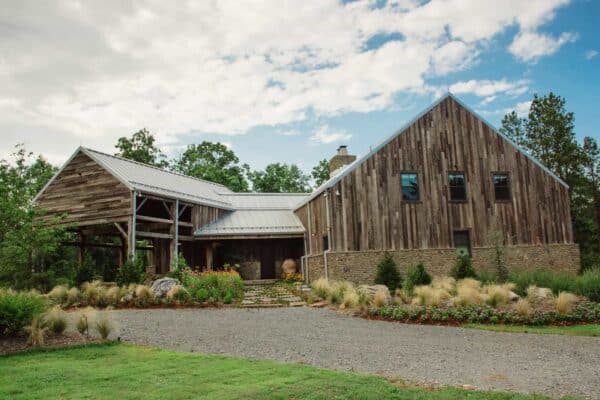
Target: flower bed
[
  {"x": 213, "y": 286},
  {"x": 584, "y": 312}
]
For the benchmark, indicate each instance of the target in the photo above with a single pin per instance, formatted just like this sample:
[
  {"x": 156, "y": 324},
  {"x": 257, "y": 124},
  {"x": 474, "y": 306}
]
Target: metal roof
[
  {"x": 352, "y": 166},
  {"x": 254, "y": 222},
  {"x": 258, "y": 201},
  {"x": 153, "y": 180}
]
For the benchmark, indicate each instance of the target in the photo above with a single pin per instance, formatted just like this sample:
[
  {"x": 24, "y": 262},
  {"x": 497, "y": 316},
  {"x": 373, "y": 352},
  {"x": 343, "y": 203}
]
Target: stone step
[{"x": 265, "y": 305}]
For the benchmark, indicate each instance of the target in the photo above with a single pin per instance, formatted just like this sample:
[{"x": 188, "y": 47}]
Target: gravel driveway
[{"x": 549, "y": 364}]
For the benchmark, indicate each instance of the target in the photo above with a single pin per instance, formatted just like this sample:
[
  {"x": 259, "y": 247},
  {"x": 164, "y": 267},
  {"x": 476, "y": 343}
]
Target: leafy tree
[
  {"x": 213, "y": 162},
  {"x": 550, "y": 136},
  {"x": 280, "y": 178},
  {"x": 388, "y": 274},
  {"x": 514, "y": 128},
  {"x": 320, "y": 172},
  {"x": 27, "y": 247},
  {"x": 140, "y": 147}
]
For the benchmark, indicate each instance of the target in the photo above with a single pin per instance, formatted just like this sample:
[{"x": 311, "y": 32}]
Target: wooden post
[
  {"x": 209, "y": 256},
  {"x": 131, "y": 228},
  {"x": 81, "y": 254},
  {"x": 173, "y": 232}
]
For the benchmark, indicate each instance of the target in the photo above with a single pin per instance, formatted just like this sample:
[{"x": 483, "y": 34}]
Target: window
[
  {"x": 410, "y": 187},
  {"x": 462, "y": 243},
  {"x": 501, "y": 183},
  {"x": 457, "y": 186}
]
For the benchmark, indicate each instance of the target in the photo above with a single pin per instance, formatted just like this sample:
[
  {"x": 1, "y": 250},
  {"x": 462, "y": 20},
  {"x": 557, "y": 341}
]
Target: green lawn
[
  {"x": 121, "y": 371},
  {"x": 575, "y": 330}
]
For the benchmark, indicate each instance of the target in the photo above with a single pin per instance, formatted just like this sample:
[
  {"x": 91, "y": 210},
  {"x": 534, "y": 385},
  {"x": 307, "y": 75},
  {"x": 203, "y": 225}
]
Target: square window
[
  {"x": 410, "y": 186},
  {"x": 501, "y": 183},
  {"x": 457, "y": 186}
]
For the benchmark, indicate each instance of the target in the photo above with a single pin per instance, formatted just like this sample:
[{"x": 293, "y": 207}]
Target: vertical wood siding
[
  {"x": 367, "y": 211},
  {"x": 86, "y": 193},
  {"x": 202, "y": 215}
]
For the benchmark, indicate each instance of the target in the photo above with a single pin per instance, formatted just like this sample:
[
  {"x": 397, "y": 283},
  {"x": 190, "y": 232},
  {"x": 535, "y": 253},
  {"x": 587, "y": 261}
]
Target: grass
[
  {"x": 118, "y": 371},
  {"x": 575, "y": 330}
]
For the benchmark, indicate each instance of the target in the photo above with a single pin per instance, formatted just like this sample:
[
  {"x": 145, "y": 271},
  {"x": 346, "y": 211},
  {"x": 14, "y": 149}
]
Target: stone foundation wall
[{"x": 360, "y": 266}]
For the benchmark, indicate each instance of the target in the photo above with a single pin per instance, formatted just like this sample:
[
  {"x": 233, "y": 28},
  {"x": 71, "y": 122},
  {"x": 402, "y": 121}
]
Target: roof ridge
[{"x": 158, "y": 168}]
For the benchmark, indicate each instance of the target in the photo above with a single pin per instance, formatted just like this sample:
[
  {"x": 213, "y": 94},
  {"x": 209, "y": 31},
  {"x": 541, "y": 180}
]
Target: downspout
[
  {"x": 329, "y": 236},
  {"x": 303, "y": 259}
]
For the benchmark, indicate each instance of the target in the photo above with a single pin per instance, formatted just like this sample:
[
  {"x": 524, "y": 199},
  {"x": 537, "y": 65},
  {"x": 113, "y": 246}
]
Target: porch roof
[{"x": 254, "y": 222}]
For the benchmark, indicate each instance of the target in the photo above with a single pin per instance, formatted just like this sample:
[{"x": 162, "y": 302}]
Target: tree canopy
[
  {"x": 280, "y": 178},
  {"x": 213, "y": 162},
  {"x": 140, "y": 147},
  {"x": 320, "y": 172}
]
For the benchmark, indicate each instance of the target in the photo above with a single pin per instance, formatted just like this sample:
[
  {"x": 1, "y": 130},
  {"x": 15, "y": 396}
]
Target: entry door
[{"x": 267, "y": 263}]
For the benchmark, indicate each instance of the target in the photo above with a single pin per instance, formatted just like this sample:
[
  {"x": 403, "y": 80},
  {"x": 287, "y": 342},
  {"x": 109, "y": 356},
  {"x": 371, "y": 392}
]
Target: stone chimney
[{"x": 340, "y": 159}]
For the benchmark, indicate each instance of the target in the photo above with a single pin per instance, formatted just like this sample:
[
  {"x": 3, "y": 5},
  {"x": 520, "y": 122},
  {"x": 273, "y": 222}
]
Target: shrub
[
  {"x": 388, "y": 274},
  {"x": 217, "y": 283},
  {"x": 178, "y": 265},
  {"x": 18, "y": 309},
  {"x": 86, "y": 271},
  {"x": 350, "y": 298},
  {"x": 73, "y": 296},
  {"x": 380, "y": 298},
  {"x": 91, "y": 292},
  {"x": 565, "y": 302},
  {"x": 228, "y": 298},
  {"x": 132, "y": 271},
  {"x": 83, "y": 326},
  {"x": 487, "y": 277},
  {"x": 36, "y": 331},
  {"x": 467, "y": 295},
  {"x": 202, "y": 295},
  {"x": 463, "y": 268},
  {"x": 321, "y": 287},
  {"x": 430, "y": 296},
  {"x": 446, "y": 283},
  {"x": 56, "y": 320},
  {"x": 588, "y": 284},
  {"x": 104, "y": 326},
  {"x": 363, "y": 296},
  {"x": 416, "y": 276},
  {"x": 180, "y": 294},
  {"x": 523, "y": 307},
  {"x": 143, "y": 296},
  {"x": 496, "y": 294},
  {"x": 59, "y": 294}
]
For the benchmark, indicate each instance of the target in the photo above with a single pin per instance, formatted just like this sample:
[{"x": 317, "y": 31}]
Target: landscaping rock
[
  {"x": 512, "y": 296},
  {"x": 289, "y": 266},
  {"x": 161, "y": 287},
  {"x": 372, "y": 289}
]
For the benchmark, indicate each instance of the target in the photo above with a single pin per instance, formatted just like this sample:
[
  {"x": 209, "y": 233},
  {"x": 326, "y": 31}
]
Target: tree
[
  {"x": 388, "y": 274},
  {"x": 280, "y": 178},
  {"x": 550, "y": 136},
  {"x": 213, "y": 162},
  {"x": 591, "y": 154},
  {"x": 140, "y": 147},
  {"x": 320, "y": 172},
  {"x": 26, "y": 246},
  {"x": 513, "y": 127}
]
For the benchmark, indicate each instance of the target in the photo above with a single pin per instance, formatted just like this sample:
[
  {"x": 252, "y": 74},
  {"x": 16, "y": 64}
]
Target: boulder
[
  {"x": 161, "y": 287},
  {"x": 372, "y": 289},
  {"x": 289, "y": 266},
  {"x": 512, "y": 296}
]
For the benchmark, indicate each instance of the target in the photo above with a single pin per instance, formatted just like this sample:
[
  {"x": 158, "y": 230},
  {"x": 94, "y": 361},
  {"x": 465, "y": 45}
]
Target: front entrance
[{"x": 258, "y": 258}]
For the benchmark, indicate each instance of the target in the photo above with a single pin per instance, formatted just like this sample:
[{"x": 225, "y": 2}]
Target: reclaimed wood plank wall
[
  {"x": 367, "y": 211},
  {"x": 87, "y": 194},
  {"x": 202, "y": 215}
]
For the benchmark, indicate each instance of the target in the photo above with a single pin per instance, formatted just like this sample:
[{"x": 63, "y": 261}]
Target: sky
[{"x": 281, "y": 81}]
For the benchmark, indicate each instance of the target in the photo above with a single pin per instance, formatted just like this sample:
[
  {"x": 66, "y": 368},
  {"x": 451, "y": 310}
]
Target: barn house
[{"x": 446, "y": 183}]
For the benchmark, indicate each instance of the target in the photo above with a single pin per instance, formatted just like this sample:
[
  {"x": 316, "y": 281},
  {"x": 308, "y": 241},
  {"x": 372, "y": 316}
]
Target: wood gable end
[
  {"x": 86, "y": 193},
  {"x": 367, "y": 212}
]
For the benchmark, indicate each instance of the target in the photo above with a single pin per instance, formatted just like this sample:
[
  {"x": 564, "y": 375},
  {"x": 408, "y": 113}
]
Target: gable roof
[
  {"x": 153, "y": 180},
  {"x": 352, "y": 166}
]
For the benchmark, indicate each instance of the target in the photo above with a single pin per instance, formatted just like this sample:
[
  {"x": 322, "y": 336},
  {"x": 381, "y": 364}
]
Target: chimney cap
[{"x": 342, "y": 150}]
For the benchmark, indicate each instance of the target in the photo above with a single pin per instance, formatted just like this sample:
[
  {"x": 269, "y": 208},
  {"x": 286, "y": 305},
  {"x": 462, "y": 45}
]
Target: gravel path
[{"x": 550, "y": 364}]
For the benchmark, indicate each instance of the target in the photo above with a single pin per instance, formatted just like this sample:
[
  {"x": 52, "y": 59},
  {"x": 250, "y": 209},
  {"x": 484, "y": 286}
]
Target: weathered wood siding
[
  {"x": 202, "y": 215},
  {"x": 367, "y": 211},
  {"x": 87, "y": 194}
]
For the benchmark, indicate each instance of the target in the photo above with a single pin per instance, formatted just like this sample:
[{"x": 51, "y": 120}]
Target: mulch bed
[{"x": 16, "y": 344}]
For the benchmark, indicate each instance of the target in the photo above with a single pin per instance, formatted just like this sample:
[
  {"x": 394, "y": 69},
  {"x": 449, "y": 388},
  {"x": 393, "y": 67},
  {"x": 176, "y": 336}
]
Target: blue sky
[{"x": 282, "y": 82}]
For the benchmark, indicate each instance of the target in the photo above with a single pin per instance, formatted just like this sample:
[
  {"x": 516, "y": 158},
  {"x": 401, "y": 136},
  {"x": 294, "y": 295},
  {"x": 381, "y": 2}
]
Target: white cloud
[
  {"x": 89, "y": 72},
  {"x": 522, "y": 108},
  {"x": 590, "y": 54},
  {"x": 530, "y": 46},
  {"x": 325, "y": 135},
  {"x": 489, "y": 88}
]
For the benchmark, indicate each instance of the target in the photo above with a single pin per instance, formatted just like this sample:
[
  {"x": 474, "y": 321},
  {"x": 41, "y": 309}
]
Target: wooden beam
[
  {"x": 121, "y": 230},
  {"x": 144, "y": 200},
  {"x": 186, "y": 224},
  {"x": 154, "y": 219},
  {"x": 104, "y": 245},
  {"x": 232, "y": 237},
  {"x": 185, "y": 206},
  {"x": 164, "y": 203},
  {"x": 154, "y": 235}
]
